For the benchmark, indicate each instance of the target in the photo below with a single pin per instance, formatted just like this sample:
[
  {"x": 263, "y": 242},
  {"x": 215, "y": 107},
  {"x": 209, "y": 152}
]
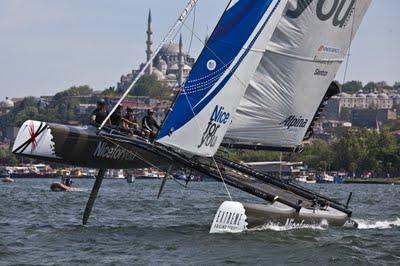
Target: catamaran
[{"x": 260, "y": 82}]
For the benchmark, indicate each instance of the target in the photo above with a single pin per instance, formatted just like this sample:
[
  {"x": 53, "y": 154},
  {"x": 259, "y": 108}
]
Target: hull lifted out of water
[{"x": 113, "y": 150}]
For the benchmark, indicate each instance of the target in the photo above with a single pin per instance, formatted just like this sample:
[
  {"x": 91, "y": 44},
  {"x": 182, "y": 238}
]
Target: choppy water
[{"x": 129, "y": 226}]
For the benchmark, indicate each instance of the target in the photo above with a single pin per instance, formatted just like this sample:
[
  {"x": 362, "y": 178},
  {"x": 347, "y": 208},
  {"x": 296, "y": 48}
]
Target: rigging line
[
  {"x": 150, "y": 164},
  {"x": 212, "y": 51},
  {"x": 351, "y": 38},
  {"x": 167, "y": 37},
  {"x": 193, "y": 26},
  {"x": 176, "y": 84},
  {"x": 198, "y": 125},
  {"x": 142, "y": 159},
  {"x": 222, "y": 178}
]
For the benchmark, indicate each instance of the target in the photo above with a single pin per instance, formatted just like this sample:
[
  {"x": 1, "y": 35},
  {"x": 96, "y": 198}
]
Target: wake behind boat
[{"x": 261, "y": 82}]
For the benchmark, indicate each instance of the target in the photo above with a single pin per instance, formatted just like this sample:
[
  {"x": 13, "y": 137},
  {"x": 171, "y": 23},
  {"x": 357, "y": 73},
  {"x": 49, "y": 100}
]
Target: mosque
[{"x": 171, "y": 66}]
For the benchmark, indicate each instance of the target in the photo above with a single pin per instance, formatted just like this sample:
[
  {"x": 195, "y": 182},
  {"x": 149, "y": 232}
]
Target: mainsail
[
  {"x": 302, "y": 58},
  {"x": 203, "y": 110}
]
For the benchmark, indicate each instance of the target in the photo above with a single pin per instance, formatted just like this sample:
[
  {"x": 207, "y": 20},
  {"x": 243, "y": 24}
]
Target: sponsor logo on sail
[
  {"x": 340, "y": 11},
  {"x": 218, "y": 118},
  {"x": 328, "y": 49},
  {"x": 294, "y": 122},
  {"x": 211, "y": 65},
  {"x": 320, "y": 72}
]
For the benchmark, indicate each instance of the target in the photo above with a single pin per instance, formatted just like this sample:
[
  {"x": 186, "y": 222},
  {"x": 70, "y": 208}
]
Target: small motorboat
[
  {"x": 59, "y": 187},
  {"x": 64, "y": 185},
  {"x": 7, "y": 180}
]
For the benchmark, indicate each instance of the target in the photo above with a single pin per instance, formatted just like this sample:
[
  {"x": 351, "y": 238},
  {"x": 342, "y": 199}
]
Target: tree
[
  {"x": 352, "y": 86},
  {"x": 370, "y": 87},
  {"x": 149, "y": 86},
  {"x": 84, "y": 90}
]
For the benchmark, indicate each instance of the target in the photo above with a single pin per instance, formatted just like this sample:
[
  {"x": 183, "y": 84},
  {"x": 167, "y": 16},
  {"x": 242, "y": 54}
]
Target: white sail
[
  {"x": 203, "y": 109},
  {"x": 302, "y": 58}
]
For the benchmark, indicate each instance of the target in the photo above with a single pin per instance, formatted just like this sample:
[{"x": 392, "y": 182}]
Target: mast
[{"x": 183, "y": 16}]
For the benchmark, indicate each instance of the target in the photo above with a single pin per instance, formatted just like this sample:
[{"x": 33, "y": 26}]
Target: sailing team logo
[
  {"x": 293, "y": 121},
  {"x": 218, "y": 118},
  {"x": 325, "y": 11}
]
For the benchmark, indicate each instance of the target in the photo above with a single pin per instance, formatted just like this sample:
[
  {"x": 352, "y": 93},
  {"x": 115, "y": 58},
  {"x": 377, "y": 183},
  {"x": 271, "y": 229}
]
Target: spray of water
[{"x": 384, "y": 224}]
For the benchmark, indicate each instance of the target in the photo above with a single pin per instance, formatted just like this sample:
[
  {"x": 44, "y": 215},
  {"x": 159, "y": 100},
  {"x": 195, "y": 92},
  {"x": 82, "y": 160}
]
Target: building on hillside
[
  {"x": 171, "y": 66},
  {"x": 141, "y": 105},
  {"x": 372, "y": 118},
  {"x": 358, "y": 101},
  {"x": 10, "y": 133},
  {"x": 6, "y": 106}
]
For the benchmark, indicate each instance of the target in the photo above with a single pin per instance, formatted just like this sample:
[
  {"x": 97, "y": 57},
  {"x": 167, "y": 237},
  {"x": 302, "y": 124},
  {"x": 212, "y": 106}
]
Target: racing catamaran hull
[
  {"x": 237, "y": 217},
  {"x": 85, "y": 147}
]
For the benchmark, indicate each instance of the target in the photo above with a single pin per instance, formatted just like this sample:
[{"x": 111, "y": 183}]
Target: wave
[
  {"x": 290, "y": 226},
  {"x": 385, "y": 224}
]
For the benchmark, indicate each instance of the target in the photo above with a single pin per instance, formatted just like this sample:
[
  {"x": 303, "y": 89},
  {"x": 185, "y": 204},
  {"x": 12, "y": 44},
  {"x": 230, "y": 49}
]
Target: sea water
[{"x": 129, "y": 226}]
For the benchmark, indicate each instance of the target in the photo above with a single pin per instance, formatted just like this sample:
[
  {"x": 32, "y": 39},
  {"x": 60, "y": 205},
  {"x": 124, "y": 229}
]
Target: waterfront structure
[{"x": 171, "y": 66}]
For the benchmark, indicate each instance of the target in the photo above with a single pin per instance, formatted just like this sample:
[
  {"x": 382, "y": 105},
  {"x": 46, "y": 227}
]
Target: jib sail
[
  {"x": 301, "y": 60},
  {"x": 209, "y": 97}
]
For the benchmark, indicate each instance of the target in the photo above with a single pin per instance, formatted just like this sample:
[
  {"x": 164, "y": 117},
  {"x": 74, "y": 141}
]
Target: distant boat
[
  {"x": 130, "y": 179},
  {"x": 7, "y": 180},
  {"x": 306, "y": 179},
  {"x": 64, "y": 185},
  {"x": 325, "y": 178},
  {"x": 59, "y": 187}
]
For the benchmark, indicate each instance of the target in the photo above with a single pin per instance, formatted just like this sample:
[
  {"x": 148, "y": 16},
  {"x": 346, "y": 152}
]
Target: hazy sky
[{"x": 47, "y": 45}]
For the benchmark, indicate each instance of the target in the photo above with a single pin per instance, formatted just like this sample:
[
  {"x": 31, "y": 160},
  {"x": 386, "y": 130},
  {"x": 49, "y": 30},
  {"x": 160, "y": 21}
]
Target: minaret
[
  {"x": 149, "y": 43},
  {"x": 181, "y": 63}
]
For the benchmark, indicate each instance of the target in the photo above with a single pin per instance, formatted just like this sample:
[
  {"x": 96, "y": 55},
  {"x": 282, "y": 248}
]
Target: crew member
[
  {"x": 116, "y": 117},
  {"x": 150, "y": 125},
  {"x": 99, "y": 114},
  {"x": 130, "y": 123},
  {"x": 129, "y": 120}
]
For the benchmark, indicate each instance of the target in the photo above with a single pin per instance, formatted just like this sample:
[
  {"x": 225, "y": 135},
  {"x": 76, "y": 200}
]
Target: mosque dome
[
  {"x": 343, "y": 95},
  {"x": 174, "y": 67},
  {"x": 383, "y": 96},
  {"x": 158, "y": 74},
  {"x": 361, "y": 95},
  {"x": 187, "y": 67},
  {"x": 170, "y": 49},
  {"x": 163, "y": 63},
  {"x": 7, "y": 103},
  {"x": 171, "y": 76},
  {"x": 372, "y": 95}
]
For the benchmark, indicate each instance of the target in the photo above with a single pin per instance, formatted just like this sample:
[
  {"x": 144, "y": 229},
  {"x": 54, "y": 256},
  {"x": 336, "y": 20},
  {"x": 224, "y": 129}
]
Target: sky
[{"x": 47, "y": 46}]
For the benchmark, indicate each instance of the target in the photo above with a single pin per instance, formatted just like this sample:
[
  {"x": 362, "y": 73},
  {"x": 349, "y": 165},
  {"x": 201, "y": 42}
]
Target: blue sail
[{"x": 202, "y": 110}]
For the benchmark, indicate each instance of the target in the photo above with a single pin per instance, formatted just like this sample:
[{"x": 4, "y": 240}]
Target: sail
[
  {"x": 202, "y": 111},
  {"x": 293, "y": 77}
]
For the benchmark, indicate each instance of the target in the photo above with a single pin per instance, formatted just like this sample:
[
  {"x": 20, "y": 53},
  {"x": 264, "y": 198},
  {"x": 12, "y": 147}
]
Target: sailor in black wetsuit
[
  {"x": 99, "y": 114},
  {"x": 130, "y": 123},
  {"x": 150, "y": 125},
  {"x": 116, "y": 117}
]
